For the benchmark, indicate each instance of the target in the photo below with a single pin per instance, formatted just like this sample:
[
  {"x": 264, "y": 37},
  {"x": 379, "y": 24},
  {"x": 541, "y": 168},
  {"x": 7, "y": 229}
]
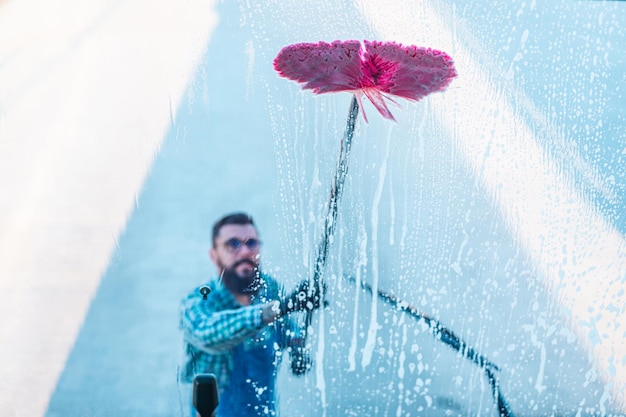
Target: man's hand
[
  {"x": 301, "y": 361},
  {"x": 270, "y": 312},
  {"x": 304, "y": 297}
]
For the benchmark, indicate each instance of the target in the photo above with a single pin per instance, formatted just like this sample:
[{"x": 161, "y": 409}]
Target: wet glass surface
[{"x": 496, "y": 208}]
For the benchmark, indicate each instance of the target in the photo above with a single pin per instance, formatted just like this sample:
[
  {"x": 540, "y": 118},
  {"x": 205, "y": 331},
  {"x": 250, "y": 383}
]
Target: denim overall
[{"x": 253, "y": 380}]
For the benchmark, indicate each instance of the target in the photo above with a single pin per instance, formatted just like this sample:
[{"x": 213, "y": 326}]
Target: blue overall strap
[{"x": 251, "y": 391}]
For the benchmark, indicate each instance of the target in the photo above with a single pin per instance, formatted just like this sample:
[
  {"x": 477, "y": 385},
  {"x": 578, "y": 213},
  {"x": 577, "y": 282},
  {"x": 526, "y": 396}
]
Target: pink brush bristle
[
  {"x": 322, "y": 67},
  {"x": 417, "y": 71}
]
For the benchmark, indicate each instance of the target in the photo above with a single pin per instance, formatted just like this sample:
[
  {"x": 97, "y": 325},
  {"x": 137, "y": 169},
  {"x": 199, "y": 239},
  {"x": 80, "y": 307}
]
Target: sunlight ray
[{"x": 581, "y": 256}]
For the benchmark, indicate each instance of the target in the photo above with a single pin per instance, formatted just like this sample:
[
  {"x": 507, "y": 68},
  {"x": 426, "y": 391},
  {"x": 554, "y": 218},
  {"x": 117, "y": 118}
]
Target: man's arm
[{"x": 215, "y": 331}]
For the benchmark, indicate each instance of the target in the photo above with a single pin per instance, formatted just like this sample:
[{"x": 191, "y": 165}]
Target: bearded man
[{"x": 235, "y": 326}]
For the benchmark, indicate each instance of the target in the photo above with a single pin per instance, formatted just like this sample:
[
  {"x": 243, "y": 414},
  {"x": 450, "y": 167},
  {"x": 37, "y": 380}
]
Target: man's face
[{"x": 236, "y": 256}]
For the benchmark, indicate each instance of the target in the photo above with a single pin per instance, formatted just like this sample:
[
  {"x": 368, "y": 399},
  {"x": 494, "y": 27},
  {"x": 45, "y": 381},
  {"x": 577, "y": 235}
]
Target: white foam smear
[
  {"x": 320, "y": 380},
  {"x": 87, "y": 93},
  {"x": 581, "y": 256},
  {"x": 370, "y": 343}
]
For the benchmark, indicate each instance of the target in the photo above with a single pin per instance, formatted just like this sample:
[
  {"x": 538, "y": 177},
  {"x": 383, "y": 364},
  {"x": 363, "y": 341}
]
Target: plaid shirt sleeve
[{"x": 215, "y": 325}]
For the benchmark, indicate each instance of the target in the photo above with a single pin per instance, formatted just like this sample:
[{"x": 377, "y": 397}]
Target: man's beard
[{"x": 246, "y": 283}]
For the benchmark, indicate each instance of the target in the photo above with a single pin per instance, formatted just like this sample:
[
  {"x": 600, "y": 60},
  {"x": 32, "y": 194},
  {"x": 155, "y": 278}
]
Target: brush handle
[{"x": 336, "y": 191}]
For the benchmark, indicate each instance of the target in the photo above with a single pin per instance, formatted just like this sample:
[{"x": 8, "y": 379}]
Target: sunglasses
[{"x": 235, "y": 245}]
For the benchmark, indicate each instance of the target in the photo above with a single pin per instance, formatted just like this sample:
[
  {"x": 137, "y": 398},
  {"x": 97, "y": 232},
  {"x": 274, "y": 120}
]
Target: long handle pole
[
  {"x": 448, "y": 337},
  {"x": 336, "y": 190}
]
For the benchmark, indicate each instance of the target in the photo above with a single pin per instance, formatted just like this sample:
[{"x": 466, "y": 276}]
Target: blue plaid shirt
[{"x": 213, "y": 327}]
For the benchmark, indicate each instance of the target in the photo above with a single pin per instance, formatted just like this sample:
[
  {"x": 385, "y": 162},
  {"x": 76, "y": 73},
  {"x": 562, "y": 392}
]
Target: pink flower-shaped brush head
[{"x": 375, "y": 69}]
